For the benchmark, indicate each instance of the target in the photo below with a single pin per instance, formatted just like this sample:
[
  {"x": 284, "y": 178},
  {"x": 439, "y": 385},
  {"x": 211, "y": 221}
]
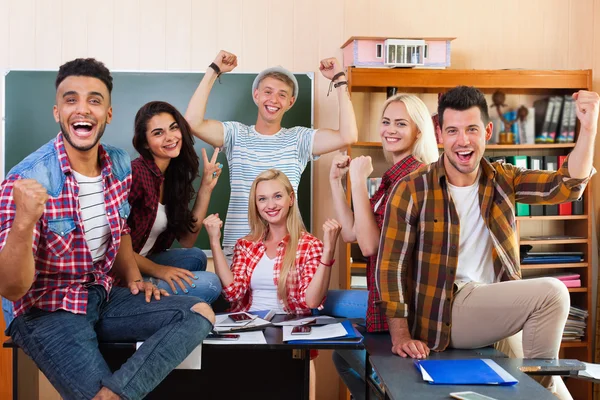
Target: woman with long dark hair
[{"x": 161, "y": 192}]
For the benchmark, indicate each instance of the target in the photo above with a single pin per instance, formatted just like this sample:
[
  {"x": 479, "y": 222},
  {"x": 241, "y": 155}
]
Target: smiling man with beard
[
  {"x": 63, "y": 234},
  {"x": 448, "y": 269}
]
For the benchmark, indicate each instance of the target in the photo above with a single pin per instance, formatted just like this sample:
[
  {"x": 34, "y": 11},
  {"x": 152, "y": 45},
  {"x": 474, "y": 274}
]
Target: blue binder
[{"x": 474, "y": 371}]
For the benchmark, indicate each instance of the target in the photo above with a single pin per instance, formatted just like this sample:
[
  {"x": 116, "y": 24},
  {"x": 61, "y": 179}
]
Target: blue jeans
[
  {"x": 207, "y": 285},
  {"x": 65, "y": 345}
]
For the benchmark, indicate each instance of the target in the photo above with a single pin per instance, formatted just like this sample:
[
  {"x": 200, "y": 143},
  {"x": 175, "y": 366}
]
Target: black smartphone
[
  {"x": 223, "y": 336},
  {"x": 241, "y": 317},
  {"x": 301, "y": 330}
]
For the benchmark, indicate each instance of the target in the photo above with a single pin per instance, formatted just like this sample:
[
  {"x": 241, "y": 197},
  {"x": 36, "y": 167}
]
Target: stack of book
[
  {"x": 552, "y": 257},
  {"x": 570, "y": 280},
  {"x": 575, "y": 326}
]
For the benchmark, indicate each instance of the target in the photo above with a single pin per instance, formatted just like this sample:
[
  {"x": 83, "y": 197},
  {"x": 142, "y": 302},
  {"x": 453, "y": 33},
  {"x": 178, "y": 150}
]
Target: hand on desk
[{"x": 410, "y": 348}]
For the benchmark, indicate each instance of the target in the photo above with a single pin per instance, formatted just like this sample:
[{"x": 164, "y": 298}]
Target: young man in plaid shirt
[
  {"x": 448, "y": 268},
  {"x": 63, "y": 213}
]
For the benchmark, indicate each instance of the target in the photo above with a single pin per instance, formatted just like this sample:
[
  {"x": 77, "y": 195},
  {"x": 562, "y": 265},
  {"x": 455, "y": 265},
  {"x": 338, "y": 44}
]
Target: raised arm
[
  {"x": 213, "y": 225},
  {"x": 210, "y": 176},
  {"x": 582, "y": 156},
  {"x": 210, "y": 131},
  {"x": 17, "y": 265},
  {"x": 365, "y": 226},
  {"x": 319, "y": 283},
  {"x": 339, "y": 168},
  {"x": 328, "y": 140}
]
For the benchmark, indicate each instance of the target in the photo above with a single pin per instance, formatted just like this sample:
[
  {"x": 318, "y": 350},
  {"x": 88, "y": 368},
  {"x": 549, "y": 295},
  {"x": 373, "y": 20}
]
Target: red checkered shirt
[
  {"x": 246, "y": 256},
  {"x": 63, "y": 262},
  {"x": 143, "y": 199},
  {"x": 376, "y": 320}
]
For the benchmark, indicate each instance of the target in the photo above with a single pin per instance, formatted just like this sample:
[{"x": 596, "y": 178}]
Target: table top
[
  {"x": 273, "y": 336},
  {"x": 402, "y": 379}
]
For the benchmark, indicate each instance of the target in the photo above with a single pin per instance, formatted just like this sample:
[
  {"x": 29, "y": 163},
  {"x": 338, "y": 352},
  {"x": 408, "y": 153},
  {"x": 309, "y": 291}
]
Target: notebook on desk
[{"x": 474, "y": 371}]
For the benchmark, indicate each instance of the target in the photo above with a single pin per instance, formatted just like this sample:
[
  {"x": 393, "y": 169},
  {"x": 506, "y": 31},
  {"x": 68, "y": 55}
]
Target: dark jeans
[{"x": 65, "y": 345}]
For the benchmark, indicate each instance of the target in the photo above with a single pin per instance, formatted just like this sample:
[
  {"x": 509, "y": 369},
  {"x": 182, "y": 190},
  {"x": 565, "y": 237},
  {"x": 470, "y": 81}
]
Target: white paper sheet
[
  {"x": 591, "y": 371},
  {"x": 302, "y": 321},
  {"x": 252, "y": 337},
  {"x": 316, "y": 333},
  {"x": 256, "y": 323}
]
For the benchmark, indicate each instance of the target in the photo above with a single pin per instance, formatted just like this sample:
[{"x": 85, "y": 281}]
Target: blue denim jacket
[{"x": 44, "y": 166}]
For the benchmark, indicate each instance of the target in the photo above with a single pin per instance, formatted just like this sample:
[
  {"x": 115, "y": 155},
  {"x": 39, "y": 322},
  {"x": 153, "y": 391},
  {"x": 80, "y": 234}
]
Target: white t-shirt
[
  {"x": 475, "y": 263},
  {"x": 262, "y": 284},
  {"x": 249, "y": 153},
  {"x": 93, "y": 213},
  {"x": 159, "y": 226}
]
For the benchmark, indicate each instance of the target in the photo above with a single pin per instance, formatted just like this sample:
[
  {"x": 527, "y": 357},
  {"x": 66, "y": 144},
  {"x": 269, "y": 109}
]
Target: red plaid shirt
[
  {"x": 376, "y": 320},
  {"x": 143, "y": 198},
  {"x": 63, "y": 262},
  {"x": 246, "y": 255}
]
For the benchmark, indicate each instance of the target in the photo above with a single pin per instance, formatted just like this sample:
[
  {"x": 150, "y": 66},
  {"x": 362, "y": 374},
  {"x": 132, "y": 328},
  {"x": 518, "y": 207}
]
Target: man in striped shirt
[
  {"x": 253, "y": 149},
  {"x": 448, "y": 267},
  {"x": 63, "y": 229}
]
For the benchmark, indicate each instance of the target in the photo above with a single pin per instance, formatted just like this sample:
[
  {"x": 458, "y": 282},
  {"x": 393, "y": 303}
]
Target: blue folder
[
  {"x": 352, "y": 336},
  {"x": 474, "y": 371}
]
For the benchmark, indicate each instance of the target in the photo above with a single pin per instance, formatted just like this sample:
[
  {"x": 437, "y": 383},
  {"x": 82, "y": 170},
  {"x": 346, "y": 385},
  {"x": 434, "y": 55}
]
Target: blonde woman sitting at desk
[{"x": 278, "y": 265}]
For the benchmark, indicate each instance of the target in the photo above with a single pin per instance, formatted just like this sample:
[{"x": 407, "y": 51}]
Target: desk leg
[
  {"x": 305, "y": 354},
  {"x": 368, "y": 373},
  {"x": 15, "y": 377}
]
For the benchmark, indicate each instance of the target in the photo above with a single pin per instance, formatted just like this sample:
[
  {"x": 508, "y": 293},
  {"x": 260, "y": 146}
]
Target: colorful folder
[{"x": 474, "y": 371}]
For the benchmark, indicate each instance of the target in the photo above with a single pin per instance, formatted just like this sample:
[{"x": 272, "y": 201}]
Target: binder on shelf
[
  {"x": 544, "y": 109},
  {"x": 572, "y": 122},
  {"x": 564, "y": 208},
  {"x": 474, "y": 371},
  {"x": 553, "y": 127},
  {"x": 578, "y": 208},
  {"x": 551, "y": 164},
  {"x": 521, "y": 162},
  {"x": 563, "y": 132},
  {"x": 536, "y": 163}
]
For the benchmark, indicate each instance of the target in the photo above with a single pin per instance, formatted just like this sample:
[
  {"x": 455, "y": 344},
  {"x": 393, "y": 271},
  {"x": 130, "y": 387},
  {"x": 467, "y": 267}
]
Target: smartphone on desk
[
  {"x": 241, "y": 317},
  {"x": 470, "y": 396},
  {"x": 301, "y": 330},
  {"x": 223, "y": 336}
]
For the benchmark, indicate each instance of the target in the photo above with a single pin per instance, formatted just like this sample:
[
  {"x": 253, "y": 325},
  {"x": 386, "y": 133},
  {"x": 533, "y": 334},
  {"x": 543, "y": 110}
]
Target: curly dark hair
[
  {"x": 181, "y": 172},
  {"x": 462, "y": 98},
  {"x": 85, "y": 67}
]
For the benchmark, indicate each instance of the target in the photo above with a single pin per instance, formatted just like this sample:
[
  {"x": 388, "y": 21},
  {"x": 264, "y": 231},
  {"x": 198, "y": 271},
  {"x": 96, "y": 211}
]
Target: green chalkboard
[{"x": 30, "y": 96}]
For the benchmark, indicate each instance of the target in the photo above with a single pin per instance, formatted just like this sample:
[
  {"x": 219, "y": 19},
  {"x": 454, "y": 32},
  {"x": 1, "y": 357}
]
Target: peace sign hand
[{"x": 212, "y": 170}]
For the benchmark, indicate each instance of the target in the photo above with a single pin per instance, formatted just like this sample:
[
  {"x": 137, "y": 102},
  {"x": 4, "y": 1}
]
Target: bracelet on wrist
[
  {"x": 340, "y": 83},
  {"x": 216, "y": 68},
  {"x": 329, "y": 264}
]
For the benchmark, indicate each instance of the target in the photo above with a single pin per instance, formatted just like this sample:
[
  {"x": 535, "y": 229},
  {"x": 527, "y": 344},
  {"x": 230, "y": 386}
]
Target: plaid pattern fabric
[
  {"x": 246, "y": 255},
  {"x": 376, "y": 320},
  {"x": 63, "y": 261},
  {"x": 418, "y": 252},
  {"x": 143, "y": 199}
]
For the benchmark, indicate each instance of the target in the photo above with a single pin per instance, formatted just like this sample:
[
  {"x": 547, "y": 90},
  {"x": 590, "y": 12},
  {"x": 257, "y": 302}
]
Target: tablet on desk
[{"x": 551, "y": 367}]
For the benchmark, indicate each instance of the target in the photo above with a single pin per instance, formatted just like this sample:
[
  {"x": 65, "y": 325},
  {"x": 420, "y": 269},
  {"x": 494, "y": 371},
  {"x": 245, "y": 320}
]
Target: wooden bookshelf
[{"x": 369, "y": 82}]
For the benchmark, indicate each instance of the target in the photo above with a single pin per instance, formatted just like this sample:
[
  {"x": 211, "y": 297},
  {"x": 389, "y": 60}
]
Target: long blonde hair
[
  {"x": 259, "y": 228},
  {"x": 425, "y": 147}
]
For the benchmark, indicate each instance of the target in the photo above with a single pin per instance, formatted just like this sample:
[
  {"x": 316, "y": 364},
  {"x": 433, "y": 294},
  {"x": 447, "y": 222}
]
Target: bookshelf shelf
[
  {"x": 578, "y": 290},
  {"x": 573, "y": 344},
  {"x": 558, "y": 241},
  {"x": 553, "y": 266},
  {"x": 372, "y": 82},
  {"x": 551, "y": 217}
]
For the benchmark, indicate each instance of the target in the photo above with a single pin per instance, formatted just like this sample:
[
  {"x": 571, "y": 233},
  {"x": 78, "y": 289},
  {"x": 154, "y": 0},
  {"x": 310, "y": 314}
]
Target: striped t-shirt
[
  {"x": 93, "y": 213},
  {"x": 249, "y": 153}
]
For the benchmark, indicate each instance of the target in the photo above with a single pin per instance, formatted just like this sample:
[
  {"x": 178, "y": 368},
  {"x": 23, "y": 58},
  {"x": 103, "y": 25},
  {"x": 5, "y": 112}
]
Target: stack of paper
[
  {"x": 225, "y": 324},
  {"x": 341, "y": 332},
  {"x": 575, "y": 326}
]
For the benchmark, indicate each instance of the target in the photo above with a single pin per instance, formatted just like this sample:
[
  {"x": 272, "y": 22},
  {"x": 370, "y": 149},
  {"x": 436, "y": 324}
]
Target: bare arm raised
[{"x": 210, "y": 131}]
